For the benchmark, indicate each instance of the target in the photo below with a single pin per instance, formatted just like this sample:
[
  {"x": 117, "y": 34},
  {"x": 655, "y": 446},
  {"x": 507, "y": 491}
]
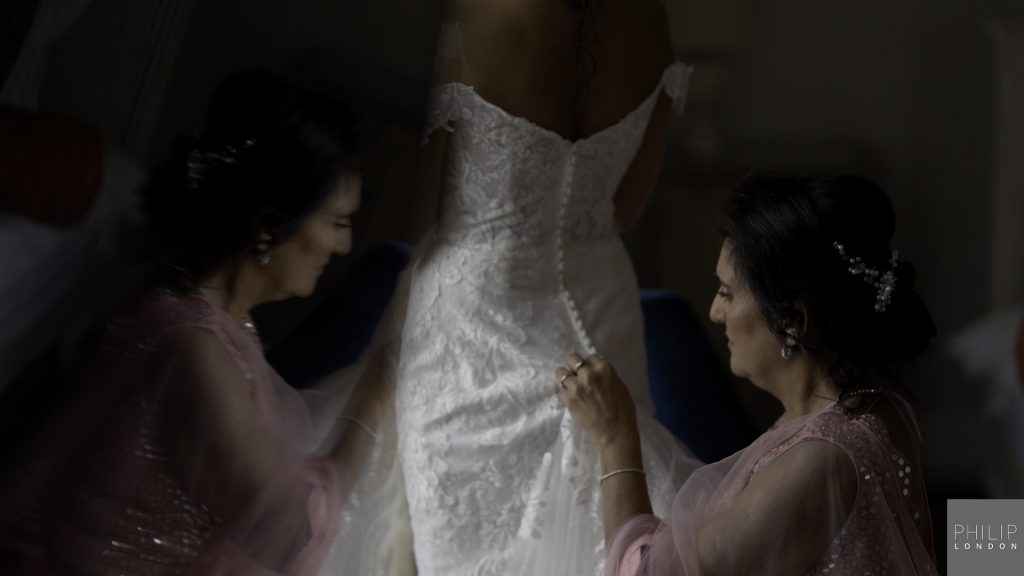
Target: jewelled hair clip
[
  {"x": 885, "y": 282},
  {"x": 200, "y": 160}
]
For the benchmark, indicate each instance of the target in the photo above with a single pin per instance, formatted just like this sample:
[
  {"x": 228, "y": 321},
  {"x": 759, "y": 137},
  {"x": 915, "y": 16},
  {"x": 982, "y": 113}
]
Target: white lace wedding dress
[{"x": 525, "y": 266}]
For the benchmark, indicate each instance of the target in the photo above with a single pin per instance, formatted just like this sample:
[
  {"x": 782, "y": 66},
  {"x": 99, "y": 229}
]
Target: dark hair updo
[
  {"x": 783, "y": 229},
  {"x": 269, "y": 155}
]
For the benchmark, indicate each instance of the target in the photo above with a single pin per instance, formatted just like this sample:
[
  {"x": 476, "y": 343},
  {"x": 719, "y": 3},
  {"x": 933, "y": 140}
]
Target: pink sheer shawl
[
  {"x": 887, "y": 530},
  {"x": 120, "y": 505}
]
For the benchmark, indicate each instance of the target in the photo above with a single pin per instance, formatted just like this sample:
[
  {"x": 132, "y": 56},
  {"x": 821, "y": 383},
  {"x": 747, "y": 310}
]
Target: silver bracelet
[
  {"x": 363, "y": 426},
  {"x": 621, "y": 471}
]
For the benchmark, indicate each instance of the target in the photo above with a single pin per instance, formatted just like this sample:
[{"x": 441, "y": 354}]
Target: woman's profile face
[
  {"x": 296, "y": 264},
  {"x": 754, "y": 351}
]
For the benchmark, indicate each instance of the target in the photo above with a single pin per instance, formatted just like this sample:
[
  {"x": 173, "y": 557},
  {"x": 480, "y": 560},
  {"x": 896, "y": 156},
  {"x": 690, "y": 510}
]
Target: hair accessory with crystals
[
  {"x": 885, "y": 282},
  {"x": 199, "y": 160}
]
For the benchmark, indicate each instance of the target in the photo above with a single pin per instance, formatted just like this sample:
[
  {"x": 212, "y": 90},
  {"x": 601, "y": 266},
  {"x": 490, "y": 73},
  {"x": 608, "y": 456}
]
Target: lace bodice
[
  {"x": 509, "y": 180},
  {"x": 517, "y": 197}
]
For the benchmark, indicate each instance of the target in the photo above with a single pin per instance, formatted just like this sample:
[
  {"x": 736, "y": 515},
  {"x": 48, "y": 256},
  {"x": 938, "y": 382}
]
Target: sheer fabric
[
  {"x": 126, "y": 499},
  {"x": 374, "y": 536},
  {"x": 886, "y": 530}
]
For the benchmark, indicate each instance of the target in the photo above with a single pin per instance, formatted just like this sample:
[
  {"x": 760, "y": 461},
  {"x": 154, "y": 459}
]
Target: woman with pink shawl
[
  {"x": 184, "y": 452},
  {"x": 817, "y": 309}
]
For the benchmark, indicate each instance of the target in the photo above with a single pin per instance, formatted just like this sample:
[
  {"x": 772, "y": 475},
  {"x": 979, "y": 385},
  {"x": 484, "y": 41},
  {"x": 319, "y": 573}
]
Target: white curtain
[
  {"x": 104, "y": 62},
  {"x": 52, "y": 20}
]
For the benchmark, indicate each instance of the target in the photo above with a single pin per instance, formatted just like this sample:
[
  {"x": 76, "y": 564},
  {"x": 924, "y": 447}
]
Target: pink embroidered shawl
[
  {"x": 887, "y": 531},
  {"x": 120, "y": 506}
]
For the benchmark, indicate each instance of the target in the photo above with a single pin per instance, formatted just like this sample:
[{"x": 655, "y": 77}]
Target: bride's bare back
[{"x": 573, "y": 72}]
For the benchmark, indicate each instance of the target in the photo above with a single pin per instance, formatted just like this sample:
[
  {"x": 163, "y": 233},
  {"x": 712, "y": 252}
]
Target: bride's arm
[
  {"x": 449, "y": 67},
  {"x": 641, "y": 178}
]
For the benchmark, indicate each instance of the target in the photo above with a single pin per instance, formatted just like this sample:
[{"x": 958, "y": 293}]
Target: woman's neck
[
  {"x": 802, "y": 391},
  {"x": 232, "y": 291}
]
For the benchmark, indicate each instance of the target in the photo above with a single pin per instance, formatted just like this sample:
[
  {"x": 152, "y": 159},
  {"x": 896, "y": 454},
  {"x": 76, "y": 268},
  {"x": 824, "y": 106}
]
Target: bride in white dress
[{"x": 548, "y": 125}]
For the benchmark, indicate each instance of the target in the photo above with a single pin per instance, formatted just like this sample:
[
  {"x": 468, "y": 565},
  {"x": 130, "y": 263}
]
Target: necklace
[
  {"x": 846, "y": 395},
  {"x": 246, "y": 321},
  {"x": 249, "y": 326}
]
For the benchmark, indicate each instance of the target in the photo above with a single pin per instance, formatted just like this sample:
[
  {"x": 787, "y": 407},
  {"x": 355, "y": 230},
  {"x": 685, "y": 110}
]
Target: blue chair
[
  {"x": 692, "y": 395},
  {"x": 341, "y": 329}
]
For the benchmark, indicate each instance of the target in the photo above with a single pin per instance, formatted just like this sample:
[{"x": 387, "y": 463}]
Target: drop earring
[{"x": 263, "y": 249}]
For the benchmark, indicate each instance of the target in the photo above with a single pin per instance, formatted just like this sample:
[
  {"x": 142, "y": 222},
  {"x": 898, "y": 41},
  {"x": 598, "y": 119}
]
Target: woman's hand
[
  {"x": 370, "y": 408},
  {"x": 598, "y": 400},
  {"x": 601, "y": 404}
]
